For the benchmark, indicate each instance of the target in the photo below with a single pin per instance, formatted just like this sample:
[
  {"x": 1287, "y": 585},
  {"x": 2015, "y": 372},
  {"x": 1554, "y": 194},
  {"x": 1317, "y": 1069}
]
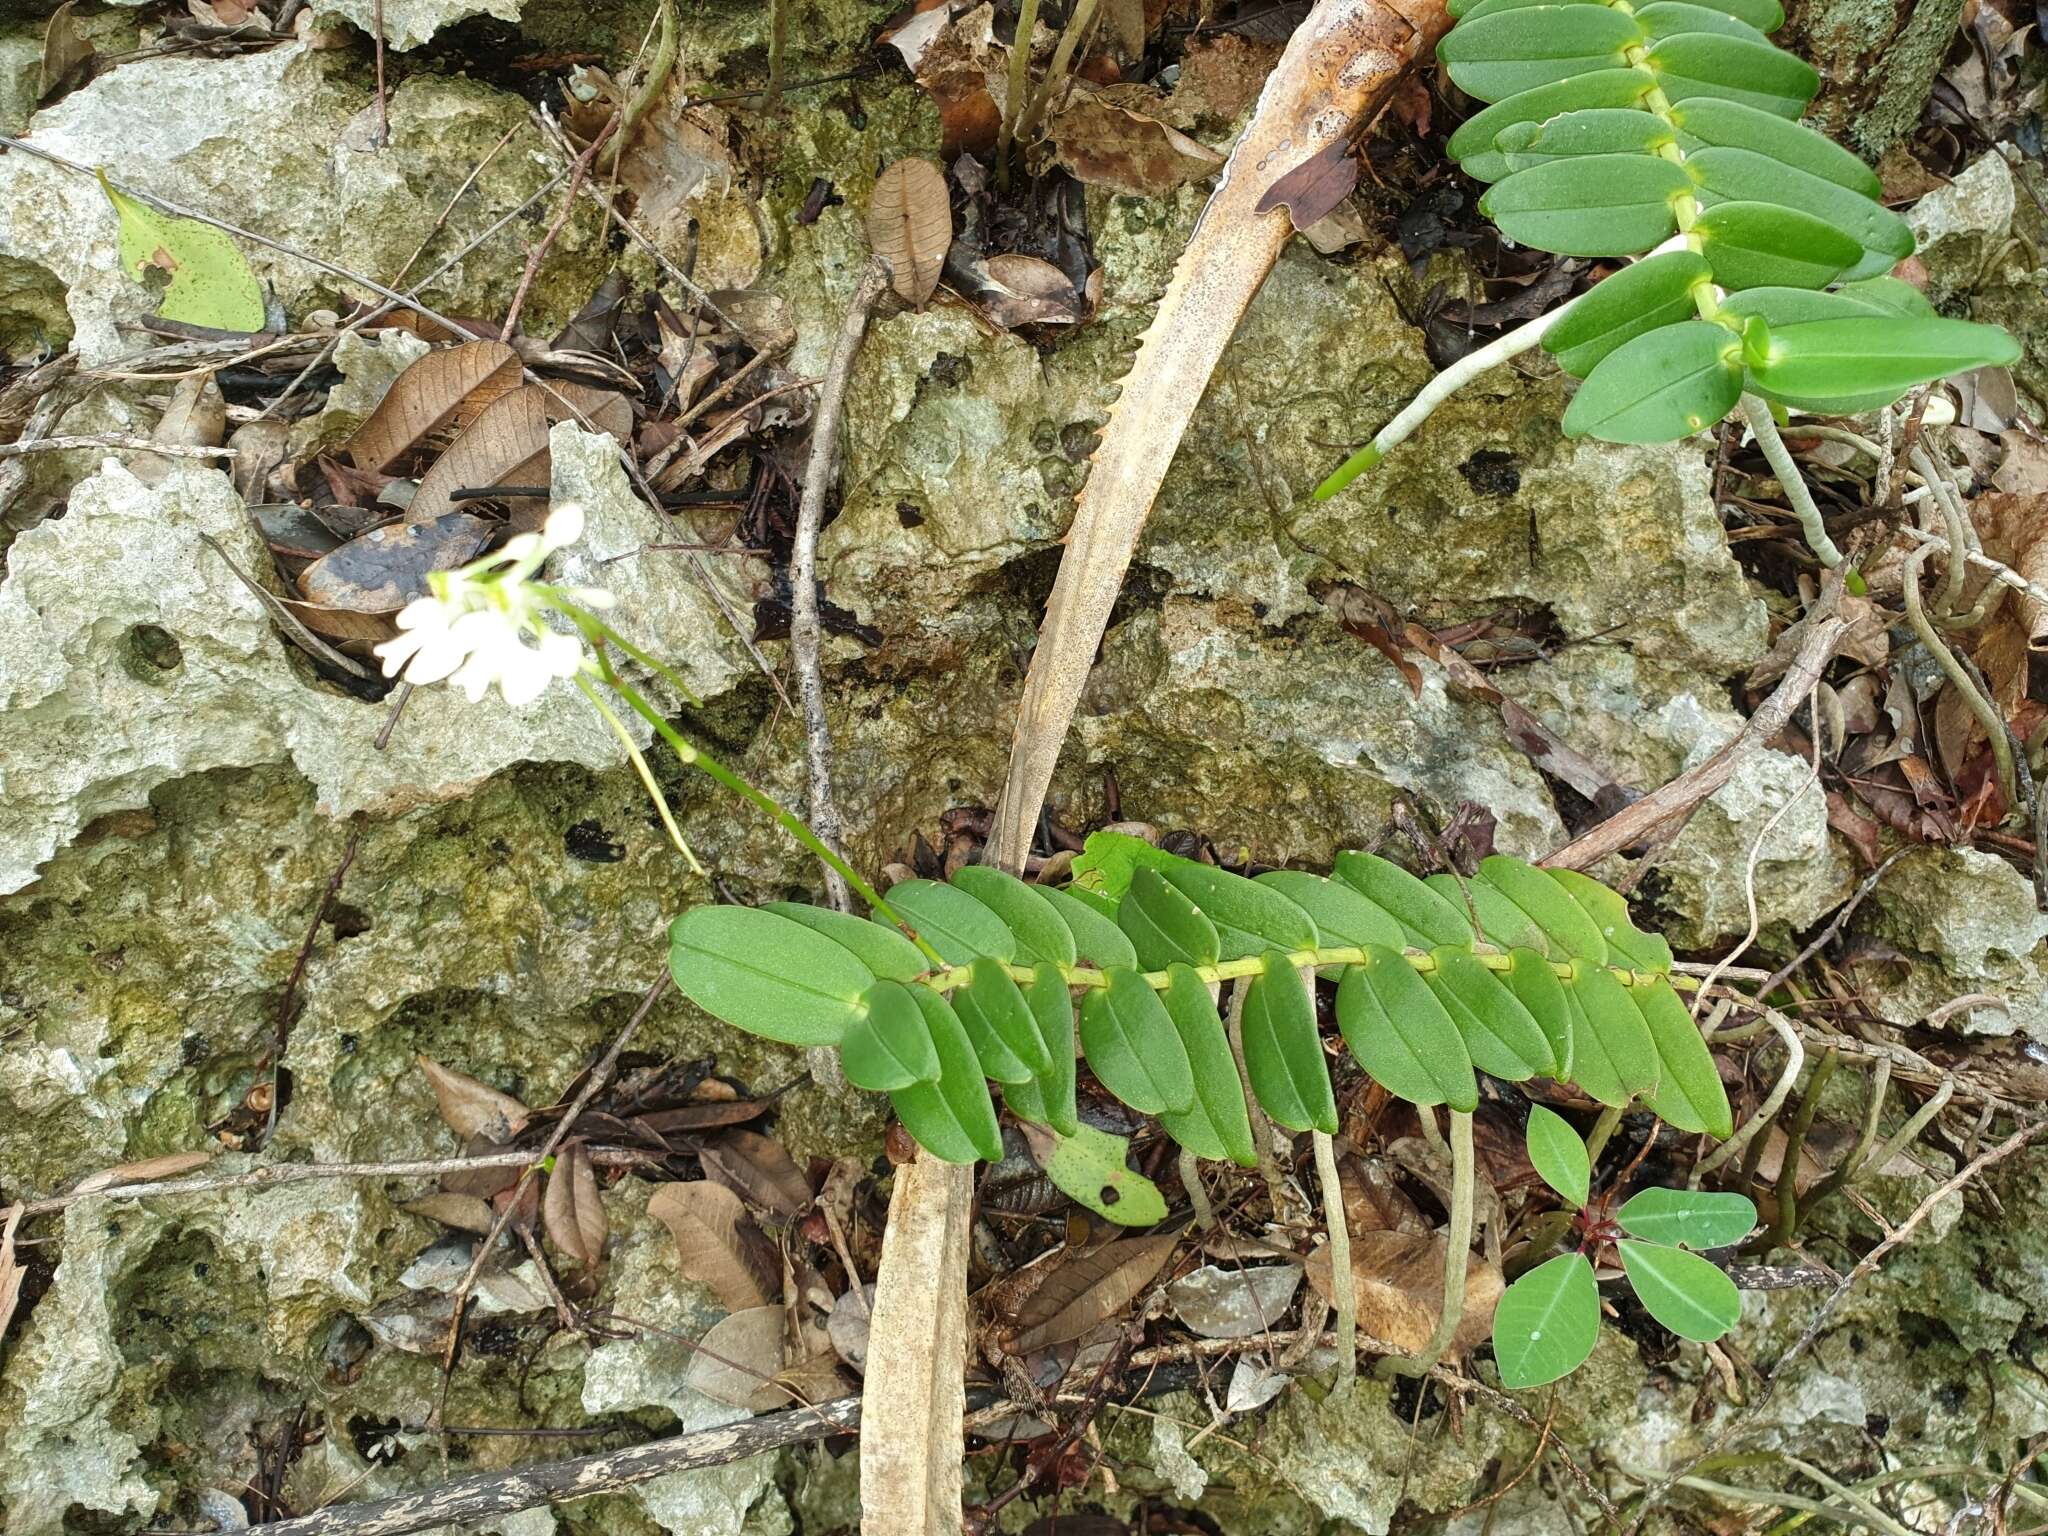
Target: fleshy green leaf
[
  {"x": 1818, "y": 360},
  {"x": 1097, "y": 939},
  {"x": 1500, "y": 1035},
  {"x": 1765, "y": 15},
  {"x": 1589, "y": 205},
  {"x": 1668, "y": 18},
  {"x": 1401, "y": 1035},
  {"x": 1691, "y": 1218},
  {"x": 1547, "y": 1322},
  {"x": 1108, "y": 859},
  {"x": 1133, "y": 1047},
  {"x": 1557, "y": 1153},
  {"x": 1473, "y": 145},
  {"x": 880, "y": 947},
  {"x": 1283, "y": 1054},
  {"x": 1892, "y": 294},
  {"x": 1048, "y": 1099},
  {"x": 1794, "y": 306},
  {"x": 1689, "y": 1093},
  {"x": 1089, "y": 1166},
  {"x": 1590, "y": 131},
  {"x": 1250, "y": 918},
  {"x": 1164, "y": 925},
  {"x": 1743, "y": 175},
  {"x": 953, "y": 922},
  {"x": 1217, "y": 1123},
  {"x": 1520, "y": 49},
  {"x": 1693, "y": 1298},
  {"x": 1343, "y": 917},
  {"x": 887, "y": 1046},
  {"x": 1472, "y": 10},
  {"x": 207, "y": 280},
  {"x": 1041, "y": 933},
  {"x": 1757, "y": 75},
  {"x": 953, "y": 1119},
  {"x": 1539, "y": 990},
  {"x": 1789, "y": 143},
  {"x": 1654, "y": 292},
  {"x": 1501, "y": 923},
  {"x": 1562, "y": 920},
  {"x": 1613, "y": 1057},
  {"x": 1626, "y": 943},
  {"x": 1424, "y": 915},
  {"x": 767, "y": 975},
  {"x": 1756, "y": 245},
  {"x": 1001, "y": 1025},
  {"x": 1662, "y": 386}
]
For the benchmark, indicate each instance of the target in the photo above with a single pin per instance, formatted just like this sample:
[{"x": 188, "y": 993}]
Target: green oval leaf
[
  {"x": 1001, "y": 1025},
  {"x": 764, "y": 974},
  {"x": 1425, "y": 916},
  {"x": 1089, "y": 1166},
  {"x": 1755, "y": 245},
  {"x": 208, "y": 278},
  {"x": 1108, "y": 859},
  {"x": 1743, "y": 175},
  {"x": 1525, "y": 47},
  {"x": 1613, "y": 1057},
  {"x": 880, "y": 947},
  {"x": 1589, "y": 205},
  {"x": 888, "y": 1046},
  {"x": 1164, "y": 925},
  {"x": 953, "y": 1118},
  {"x": 1537, "y": 987},
  {"x": 1818, "y": 360},
  {"x": 1036, "y": 925},
  {"x": 1473, "y": 146},
  {"x": 1691, "y": 1218},
  {"x": 1401, "y": 1034},
  {"x": 1133, "y": 1047},
  {"x": 1694, "y": 64},
  {"x": 1789, "y": 143},
  {"x": 1048, "y": 1099},
  {"x": 1217, "y": 1123},
  {"x": 1547, "y": 1322},
  {"x": 1343, "y": 917},
  {"x": 1590, "y": 131},
  {"x": 1558, "y": 1155},
  {"x": 1693, "y": 1298},
  {"x": 1472, "y": 10},
  {"x": 1563, "y": 921},
  {"x": 1250, "y": 918},
  {"x": 1654, "y": 292},
  {"x": 1662, "y": 386},
  {"x": 1668, "y": 18},
  {"x": 1097, "y": 939},
  {"x": 1890, "y": 294},
  {"x": 1626, "y": 943},
  {"x": 1501, "y": 923},
  {"x": 960, "y": 928},
  {"x": 1500, "y": 1035},
  {"x": 1283, "y": 1054},
  {"x": 1689, "y": 1093}
]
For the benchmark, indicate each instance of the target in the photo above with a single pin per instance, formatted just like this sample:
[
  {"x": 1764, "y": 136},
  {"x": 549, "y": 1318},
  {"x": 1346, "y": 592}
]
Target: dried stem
[
  {"x": 1457, "y": 1257},
  {"x": 1343, "y": 1289}
]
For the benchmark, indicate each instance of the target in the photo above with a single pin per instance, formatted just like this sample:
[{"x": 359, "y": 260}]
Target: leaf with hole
[
  {"x": 767, "y": 975},
  {"x": 1613, "y": 1057},
  {"x": 1654, "y": 292},
  {"x": 1589, "y": 205},
  {"x": 1283, "y": 1053},
  {"x": 1501, "y": 1036},
  {"x": 881, "y": 948},
  {"x": 1742, "y": 175},
  {"x": 205, "y": 277},
  {"x": 1401, "y": 1035},
  {"x": 1473, "y": 146},
  {"x": 1662, "y": 386},
  {"x": 1689, "y": 1093},
  {"x": 1521, "y": 49},
  {"x": 910, "y": 226},
  {"x": 1688, "y": 1218},
  {"x": 887, "y": 1045},
  {"x": 1217, "y": 1119},
  {"x": 1547, "y": 1322},
  {"x": 1097, "y": 939},
  {"x": 1089, "y": 1167},
  {"x": 960, "y": 928},
  {"x": 1250, "y": 918},
  {"x": 1558, "y": 1155},
  {"x": 1164, "y": 924},
  {"x": 1041, "y": 933},
  {"x": 1425, "y": 916},
  {"x": 953, "y": 1118},
  {"x": 1133, "y": 1047},
  {"x": 1738, "y": 126},
  {"x": 1342, "y": 916},
  {"x": 1695, "y": 64},
  {"x": 1692, "y": 1297},
  {"x": 1001, "y": 1025}
]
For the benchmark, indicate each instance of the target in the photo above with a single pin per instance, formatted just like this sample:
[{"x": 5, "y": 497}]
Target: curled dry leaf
[
  {"x": 169, "y": 1166},
  {"x": 1316, "y": 188},
  {"x": 1014, "y": 290},
  {"x": 440, "y": 393},
  {"x": 1234, "y": 1303},
  {"x": 759, "y": 1171},
  {"x": 507, "y": 444},
  {"x": 470, "y": 1108},
  {"x": 910, "y": 225},
  {"x": 573, "y": 1209},
  {"x": 717, "y": 1243},
  {"x": 1399, "y": 1279},
  {"x": 1085, "y": 1289},
  {"x": 465, "y": 1213},
  {"x": 738, "y": 1360},
  {"x": 1129, "y": 152}
]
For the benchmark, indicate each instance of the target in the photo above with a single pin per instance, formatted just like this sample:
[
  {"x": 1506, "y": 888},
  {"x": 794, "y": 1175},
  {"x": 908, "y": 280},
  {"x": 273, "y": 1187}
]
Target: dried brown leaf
[
  {"x": 1399, "y": 1280},
  {"x": 381, "y": 571},
  {"x": 472, "y": 1109},
  {"x": 465, "y": 1213},
  {"x": 738, "y": 1360},
  {"x": 1126, "y": 151},
  {"x": 1085, "y": 1289},
  {"x": 1314, "y": 190},
  {"x": 1014, "y": 290},
  {"x": 67, "y": 54},
  {"x": 573, "y": 1209},
  {"x": 717, "y": 1243},
  {"x": 910, "y": 225},
  {"x": 169, "y": 1166},
  {"x": 509, "y": 432},
  {"x": 847, "y": 1326},
  {"x": 446, "y": 389},
  {"x": 759, "y": 1171}
]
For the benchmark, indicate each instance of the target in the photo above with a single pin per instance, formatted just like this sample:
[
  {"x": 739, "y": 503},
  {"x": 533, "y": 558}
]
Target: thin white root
[
  {"x": 1457, "y": 1256},
  {"x": 1342, "y": 1289},
  {"x": 1757, "y": 415}
]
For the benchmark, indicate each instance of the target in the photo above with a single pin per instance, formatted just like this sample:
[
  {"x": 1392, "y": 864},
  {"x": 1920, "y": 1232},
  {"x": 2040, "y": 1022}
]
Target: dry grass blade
[
  {"x": 1088, "y": 1289},
  {"x": 759, "y": 1171},
  {"x": 443, "y": 390},
  {"x": 910, "y": 226},
  {"x": 573, "y": 1210},
  {"x": 169, "y": 1166},
  {"x": 471, "y": 1108},
  {"x": 717, "y": 1243}
]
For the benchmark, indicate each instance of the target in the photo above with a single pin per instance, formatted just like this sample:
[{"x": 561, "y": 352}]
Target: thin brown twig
[
  {"x": 577, "y": 174},
  {"x": 116, "y": 445}
]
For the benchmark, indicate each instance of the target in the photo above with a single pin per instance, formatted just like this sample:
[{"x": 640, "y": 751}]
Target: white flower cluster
[{"x": 488, "y": 623}]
